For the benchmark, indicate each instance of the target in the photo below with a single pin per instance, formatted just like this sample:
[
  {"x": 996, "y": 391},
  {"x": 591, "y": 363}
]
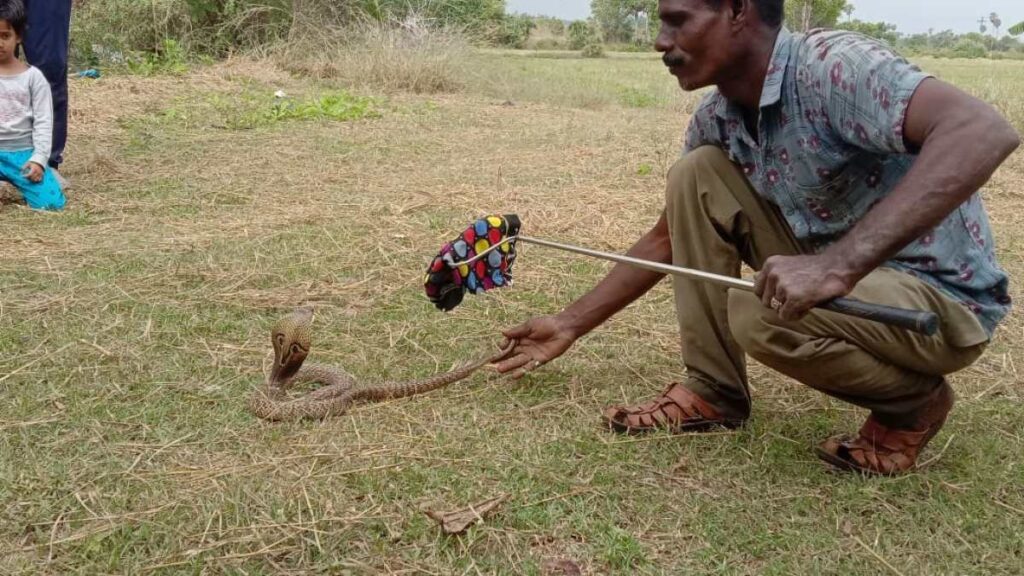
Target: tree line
[
  {"x": 218, "y": 27},
  {"x": 632, "y": 24}
]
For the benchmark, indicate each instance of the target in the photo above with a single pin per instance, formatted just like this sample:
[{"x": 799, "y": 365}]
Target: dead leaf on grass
[{"x": 459, "y": 521}]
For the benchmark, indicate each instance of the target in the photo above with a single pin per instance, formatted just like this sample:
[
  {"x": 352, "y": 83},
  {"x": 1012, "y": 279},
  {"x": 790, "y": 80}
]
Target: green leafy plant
[
  {"x": 170, "y": 59},
  {"x": 337, "y": 106},
  {"x": 635, "y": 98}
]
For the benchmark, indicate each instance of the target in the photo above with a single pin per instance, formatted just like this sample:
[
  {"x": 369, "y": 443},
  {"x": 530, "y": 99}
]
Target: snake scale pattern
[{"x": 291, "y": 337}]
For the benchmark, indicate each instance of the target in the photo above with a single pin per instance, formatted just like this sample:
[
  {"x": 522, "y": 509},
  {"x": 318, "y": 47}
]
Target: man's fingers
[
  {"x": 791, "y": 312},
  {"x": 769, "y": 291},
  {"x": 517, "y": 361},
  {"x": 517, "y": 333},
  {"x": 526, "y": 369},
  {"x": 786, "y": 312},
  {"x": 519, "y": 365}
]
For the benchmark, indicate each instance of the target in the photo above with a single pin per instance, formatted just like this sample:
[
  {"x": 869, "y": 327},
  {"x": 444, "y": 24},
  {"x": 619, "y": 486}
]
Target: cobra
[{"x": 291, "y": 337}]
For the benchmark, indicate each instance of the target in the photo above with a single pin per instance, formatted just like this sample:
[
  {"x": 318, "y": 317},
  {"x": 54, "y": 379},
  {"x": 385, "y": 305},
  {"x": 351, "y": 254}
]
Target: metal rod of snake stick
[{"x": 920, "y": 321}]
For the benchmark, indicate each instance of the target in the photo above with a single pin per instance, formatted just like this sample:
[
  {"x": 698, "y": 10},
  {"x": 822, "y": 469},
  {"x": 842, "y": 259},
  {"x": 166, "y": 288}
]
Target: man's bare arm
[
  {"x": 623, "y": 285},
  {"x": 543, "y": 339},
  {"x": 961, "y": 142}
]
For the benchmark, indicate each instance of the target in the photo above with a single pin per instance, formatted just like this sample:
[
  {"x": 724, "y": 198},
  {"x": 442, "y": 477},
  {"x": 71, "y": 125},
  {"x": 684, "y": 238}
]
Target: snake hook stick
[{"x": 481, "y": 259}]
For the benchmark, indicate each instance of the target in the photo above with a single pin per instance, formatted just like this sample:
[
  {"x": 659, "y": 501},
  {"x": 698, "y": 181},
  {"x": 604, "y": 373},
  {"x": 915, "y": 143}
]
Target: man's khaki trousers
[{"x": 717, "y": 221}]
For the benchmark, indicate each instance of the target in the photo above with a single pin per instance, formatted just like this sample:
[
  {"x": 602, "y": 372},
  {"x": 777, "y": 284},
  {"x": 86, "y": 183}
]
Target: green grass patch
[{"x": 338, "y": 106}]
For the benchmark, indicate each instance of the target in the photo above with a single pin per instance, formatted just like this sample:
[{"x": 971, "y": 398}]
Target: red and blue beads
[{"x": 448, "y": 278}]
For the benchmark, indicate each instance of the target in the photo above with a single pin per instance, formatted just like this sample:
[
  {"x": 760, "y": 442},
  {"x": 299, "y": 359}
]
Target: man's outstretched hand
[
  {"x": 540, "y": 341},
  {"x": 796, "y": 284}
]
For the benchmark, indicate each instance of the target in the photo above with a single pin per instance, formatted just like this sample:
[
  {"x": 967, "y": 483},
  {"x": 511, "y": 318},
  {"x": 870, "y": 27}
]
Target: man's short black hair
[
  {"x": 13, "y": 12},
  {"x": 772, "y": 11}
]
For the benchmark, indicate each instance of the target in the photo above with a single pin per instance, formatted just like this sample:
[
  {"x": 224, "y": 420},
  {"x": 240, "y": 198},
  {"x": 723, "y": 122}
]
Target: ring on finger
[{"x": 776, "y": 304}]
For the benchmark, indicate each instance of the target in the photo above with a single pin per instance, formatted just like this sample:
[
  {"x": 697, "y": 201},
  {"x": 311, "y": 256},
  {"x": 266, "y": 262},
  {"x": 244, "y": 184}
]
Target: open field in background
[{"x": 133, "y": 326}]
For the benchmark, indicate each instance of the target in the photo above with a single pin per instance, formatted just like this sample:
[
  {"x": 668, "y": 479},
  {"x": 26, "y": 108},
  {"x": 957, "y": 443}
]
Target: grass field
[{"x": 134, "y": 325}]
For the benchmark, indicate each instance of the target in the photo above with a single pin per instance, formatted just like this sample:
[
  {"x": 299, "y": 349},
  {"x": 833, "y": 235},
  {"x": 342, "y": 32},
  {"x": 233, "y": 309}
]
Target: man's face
[{"x": 696, "y": 41}]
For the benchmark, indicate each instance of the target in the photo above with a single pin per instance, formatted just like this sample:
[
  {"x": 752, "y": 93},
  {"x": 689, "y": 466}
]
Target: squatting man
[{"x": 833, "y": 167}]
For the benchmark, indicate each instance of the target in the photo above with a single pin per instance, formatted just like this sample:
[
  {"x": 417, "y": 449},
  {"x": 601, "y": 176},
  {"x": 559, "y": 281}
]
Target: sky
[{"x": 911, "y": 16}]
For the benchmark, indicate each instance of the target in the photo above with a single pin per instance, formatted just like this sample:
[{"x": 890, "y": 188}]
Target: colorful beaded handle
[{"x": 478, "y": 260}]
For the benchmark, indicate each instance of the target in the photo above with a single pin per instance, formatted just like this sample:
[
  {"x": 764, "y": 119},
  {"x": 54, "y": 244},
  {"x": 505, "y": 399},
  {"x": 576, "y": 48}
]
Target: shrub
[
  {"x": 969, "y": 49},
  {"x": 394, "y": 55},
  {"x": 170, "y": 59},
  {"x": 546, "y": 44},
  {"x": 515, "y": 31},
  {"x": 105, "y": 28},
  {"x": 580, "y": 34},
  {"x": 594, "y": 50}
]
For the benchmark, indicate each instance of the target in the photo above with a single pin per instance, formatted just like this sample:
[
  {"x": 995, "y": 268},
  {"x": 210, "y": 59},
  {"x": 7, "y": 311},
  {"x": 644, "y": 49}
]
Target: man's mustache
[{"x": 673, "y": 61}]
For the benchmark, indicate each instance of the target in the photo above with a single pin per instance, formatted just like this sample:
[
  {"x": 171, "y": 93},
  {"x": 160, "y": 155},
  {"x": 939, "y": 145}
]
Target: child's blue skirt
[{"x": 43, "y": 195}]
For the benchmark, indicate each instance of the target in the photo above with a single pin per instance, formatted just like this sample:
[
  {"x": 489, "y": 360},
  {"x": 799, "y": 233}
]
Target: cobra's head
[{"x": 291, "y": 338}]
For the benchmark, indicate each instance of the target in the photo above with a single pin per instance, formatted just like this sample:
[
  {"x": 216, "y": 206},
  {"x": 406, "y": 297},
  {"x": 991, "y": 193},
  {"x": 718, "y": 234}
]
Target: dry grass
[
  {"x": 133, "y": 326},
  {"x": 409, "y": 55}
]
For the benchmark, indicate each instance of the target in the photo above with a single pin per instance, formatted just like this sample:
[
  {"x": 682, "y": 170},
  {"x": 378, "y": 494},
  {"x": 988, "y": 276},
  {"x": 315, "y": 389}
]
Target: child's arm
[{"x": 42, "y": 118}]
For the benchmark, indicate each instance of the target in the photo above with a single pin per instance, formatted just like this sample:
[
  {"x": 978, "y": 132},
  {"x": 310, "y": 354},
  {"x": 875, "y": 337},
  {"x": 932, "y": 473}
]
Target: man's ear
[{"x": 740, "y": 13}]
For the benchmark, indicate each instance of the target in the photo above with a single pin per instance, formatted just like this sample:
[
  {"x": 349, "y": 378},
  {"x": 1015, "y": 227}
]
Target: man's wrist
[
  {"x": 841, "y": 266},
  {"x": 572, "y": 322}
]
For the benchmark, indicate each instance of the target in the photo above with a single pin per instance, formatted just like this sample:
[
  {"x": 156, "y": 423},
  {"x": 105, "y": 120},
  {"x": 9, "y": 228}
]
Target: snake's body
[{"x": 339, "y": 391}]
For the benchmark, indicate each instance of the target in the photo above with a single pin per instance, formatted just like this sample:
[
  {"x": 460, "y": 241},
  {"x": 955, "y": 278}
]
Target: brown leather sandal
[
  {"x": 883, "y": 451},
  {"x": 677, "y": 410}
]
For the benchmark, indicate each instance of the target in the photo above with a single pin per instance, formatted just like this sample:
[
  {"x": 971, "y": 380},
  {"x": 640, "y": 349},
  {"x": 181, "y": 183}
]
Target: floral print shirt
[{"x": 830, "y": 146}]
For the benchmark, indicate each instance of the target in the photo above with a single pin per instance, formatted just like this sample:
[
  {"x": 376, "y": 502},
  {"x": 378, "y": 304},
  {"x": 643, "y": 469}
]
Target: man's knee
[{"x": 686, "y": 171}]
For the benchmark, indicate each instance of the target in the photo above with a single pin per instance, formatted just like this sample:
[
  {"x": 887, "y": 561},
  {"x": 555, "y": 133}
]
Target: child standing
[{"x": 26, "y": 117}]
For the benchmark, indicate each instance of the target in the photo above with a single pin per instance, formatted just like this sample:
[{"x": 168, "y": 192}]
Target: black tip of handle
[
  {"x": 920, "y": 321},
  {"x": 929, "y": 323}
]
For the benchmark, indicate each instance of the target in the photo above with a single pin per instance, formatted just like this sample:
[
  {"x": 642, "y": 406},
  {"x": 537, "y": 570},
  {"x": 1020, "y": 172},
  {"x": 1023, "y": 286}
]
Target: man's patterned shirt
[{"x": 830, "y": 146}]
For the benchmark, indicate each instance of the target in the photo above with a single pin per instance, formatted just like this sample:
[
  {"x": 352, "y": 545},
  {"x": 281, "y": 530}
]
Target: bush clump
[
  {"x": 408, "y": 55},
  {"x": 593, "y": 51},
  {"x": 969, "y": 49}
]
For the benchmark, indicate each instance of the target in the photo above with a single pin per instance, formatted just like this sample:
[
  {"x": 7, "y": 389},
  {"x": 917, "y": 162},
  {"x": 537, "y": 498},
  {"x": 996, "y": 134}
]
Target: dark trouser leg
[{"x": 46, "y": 48}]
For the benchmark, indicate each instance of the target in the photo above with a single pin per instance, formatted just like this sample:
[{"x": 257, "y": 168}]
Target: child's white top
[{"x": 26, "y": 114}]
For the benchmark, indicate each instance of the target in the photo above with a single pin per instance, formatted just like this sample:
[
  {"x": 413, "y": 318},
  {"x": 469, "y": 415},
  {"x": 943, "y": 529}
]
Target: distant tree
[
  {"x": 996, "y": 21},
  {"x": 944, "y": 39},
  {"x": 625, "y": 20},
  {"x": 515, "y": 30},
  {"x": 580, "y": 34},
  {"x": 1009, "y": 44},
  {"x": 880, "y": 30},
  {"x": 807, "y": 14},
  {"x": 848, "y": 10},
  {"x": 917, "y": 42}
]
